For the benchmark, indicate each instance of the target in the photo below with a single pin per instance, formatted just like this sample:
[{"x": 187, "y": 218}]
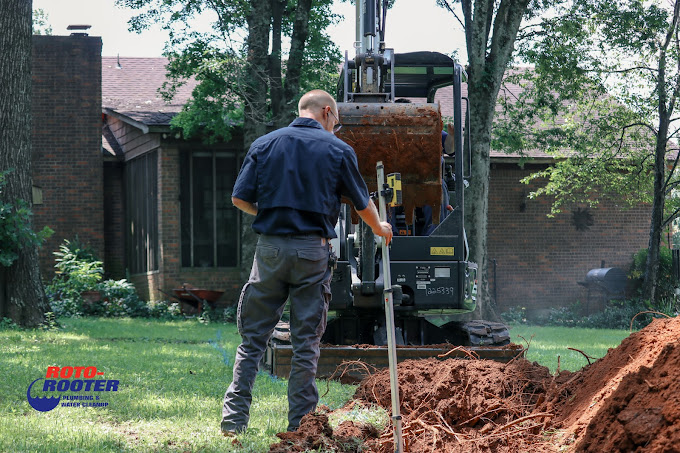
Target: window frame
[{"x": 189, "y": 154}]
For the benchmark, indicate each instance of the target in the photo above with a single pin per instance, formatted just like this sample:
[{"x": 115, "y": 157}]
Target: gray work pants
[{"x": 294, "y": 267}]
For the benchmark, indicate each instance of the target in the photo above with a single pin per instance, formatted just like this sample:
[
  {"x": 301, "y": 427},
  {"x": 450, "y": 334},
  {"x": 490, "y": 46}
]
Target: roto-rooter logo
[{"x": 72, "y": 379}]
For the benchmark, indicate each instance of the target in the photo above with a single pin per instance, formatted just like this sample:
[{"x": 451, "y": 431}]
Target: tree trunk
[
  {"x": 275, "y": 73},
  {"x": 22, "y": 298},
  {"x": 658, "y": 203},
  {"x": 489, "y": 55},
  {"x": 255, "y": 95},
  {"x": 298, "y": 41},
  {"x": 477, "y": 196}
]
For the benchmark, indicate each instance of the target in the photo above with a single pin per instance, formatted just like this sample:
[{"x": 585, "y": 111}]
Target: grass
[
  {"x": 549, "y": 343},
  {"x": 173, "y": 375}
]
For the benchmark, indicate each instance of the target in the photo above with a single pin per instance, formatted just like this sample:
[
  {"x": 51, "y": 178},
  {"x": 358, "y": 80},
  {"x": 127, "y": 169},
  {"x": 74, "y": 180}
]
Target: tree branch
[
  {"x": 670, "y": 218},
  {"x": 446, "y": 5},
  {"x": 297, "y": 48}
]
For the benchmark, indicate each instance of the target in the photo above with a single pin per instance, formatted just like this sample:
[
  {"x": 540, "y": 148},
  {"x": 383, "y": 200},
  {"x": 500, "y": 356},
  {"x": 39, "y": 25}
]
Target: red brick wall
[
  {"x": 67, "y": 156},
  {"x": 541, "y": 259}
]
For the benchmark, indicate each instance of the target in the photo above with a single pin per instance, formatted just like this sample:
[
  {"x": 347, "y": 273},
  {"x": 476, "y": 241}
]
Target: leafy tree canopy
[
  {"x": 599, "y": 96},
  {"x": 218, "y": 58}
]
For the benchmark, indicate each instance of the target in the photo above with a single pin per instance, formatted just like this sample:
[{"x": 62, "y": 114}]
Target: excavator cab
[{"x": 433, "y": 274}]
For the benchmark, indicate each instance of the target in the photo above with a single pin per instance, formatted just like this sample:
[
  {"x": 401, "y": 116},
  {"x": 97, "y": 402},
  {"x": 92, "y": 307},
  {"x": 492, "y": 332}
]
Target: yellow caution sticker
[{"x": 441, "y": 251}]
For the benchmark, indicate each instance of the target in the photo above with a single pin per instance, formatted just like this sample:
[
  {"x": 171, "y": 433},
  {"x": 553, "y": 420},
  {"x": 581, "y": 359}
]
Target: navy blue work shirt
[{"x": 296, "y": 175}]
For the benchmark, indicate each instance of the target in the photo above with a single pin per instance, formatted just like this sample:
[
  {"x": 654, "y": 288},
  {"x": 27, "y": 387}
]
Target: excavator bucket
[{"x": 407, "y": 139}]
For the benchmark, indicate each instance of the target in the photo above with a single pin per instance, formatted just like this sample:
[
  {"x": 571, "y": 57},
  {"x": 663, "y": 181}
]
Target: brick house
[
  {"x": 157, "y": 208},
  {"x": 169, "y": 200}
]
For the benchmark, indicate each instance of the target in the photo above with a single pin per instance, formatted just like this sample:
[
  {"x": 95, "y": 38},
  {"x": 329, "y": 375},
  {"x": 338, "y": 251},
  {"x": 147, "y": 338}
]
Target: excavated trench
[{"x": 628, "y": 401}]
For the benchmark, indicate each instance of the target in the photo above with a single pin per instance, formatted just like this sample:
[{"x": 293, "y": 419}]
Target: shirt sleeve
[
  {"x": 352, "y": 184},
  {"x": 245, "y": 187}
]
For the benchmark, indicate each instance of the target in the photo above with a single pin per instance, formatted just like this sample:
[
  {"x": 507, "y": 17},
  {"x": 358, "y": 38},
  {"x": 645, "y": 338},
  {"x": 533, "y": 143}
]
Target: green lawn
[
  {"x": 550, "y": 342},
  {"x": 173, "y": 375}
]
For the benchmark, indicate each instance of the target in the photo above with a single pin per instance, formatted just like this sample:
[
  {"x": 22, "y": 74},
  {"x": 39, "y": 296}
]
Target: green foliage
[
  {"x": 210, "y": 314},
  {"x": 515, "y": 316},
  {"x": 15, "y": 228},
  {"x": 77, "y": 267},
  {"x": 79, "y": 272},
  {"x": 41, "y": 25},
  {"x": 592, "y": 101},
  {"x": 163, "y": 309},
  {"x": 665, "y": 288},
  {"x": 217, "y": 57},
  {"x": 616, "y": 315},
  {"x": 117, "y": 298},
  {"x": 8, "y": 324}
]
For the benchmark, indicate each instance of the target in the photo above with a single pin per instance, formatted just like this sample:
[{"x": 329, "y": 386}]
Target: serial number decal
[
  {"x": 441, "y": 251},
  {"x": 443, "y": 290}
]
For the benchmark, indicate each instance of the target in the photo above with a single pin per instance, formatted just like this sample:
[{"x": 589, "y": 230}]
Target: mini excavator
[{"x": 387, "y": 109}]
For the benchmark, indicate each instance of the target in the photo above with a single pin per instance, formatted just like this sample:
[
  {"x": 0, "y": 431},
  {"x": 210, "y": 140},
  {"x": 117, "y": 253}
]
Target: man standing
[{"x": 292, "y": 180}]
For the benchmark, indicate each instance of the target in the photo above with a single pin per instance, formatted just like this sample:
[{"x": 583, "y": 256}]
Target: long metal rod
[{"x": 388, "y": 297}]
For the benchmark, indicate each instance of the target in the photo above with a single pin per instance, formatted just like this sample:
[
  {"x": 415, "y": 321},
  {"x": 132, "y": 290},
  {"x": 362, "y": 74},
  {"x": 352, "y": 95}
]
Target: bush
[
  {"x": 117, "y": 298},
  {"x": 515, "y": 316},
  {"x": 79, "y": 271},
  {"x": 15, "y": 228},
  {"x": 617, "y": 315},
  {"x": 666, "y": 285},
  {"x": 163, "y": 309},
  {"x": 226, "y": 315}
]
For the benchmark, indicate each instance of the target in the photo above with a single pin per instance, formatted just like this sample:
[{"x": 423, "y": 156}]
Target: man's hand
[
  {"x": 385, "y": 231},
  {"x": 370, "y": 215}
]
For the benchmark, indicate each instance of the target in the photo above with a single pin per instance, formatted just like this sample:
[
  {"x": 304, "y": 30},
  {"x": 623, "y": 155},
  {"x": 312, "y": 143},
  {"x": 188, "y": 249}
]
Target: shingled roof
[{"x": 131, "y": 91}]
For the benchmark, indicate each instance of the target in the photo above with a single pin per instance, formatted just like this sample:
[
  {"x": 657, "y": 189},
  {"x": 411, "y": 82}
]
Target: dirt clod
[{"x": 628, "y": 401}]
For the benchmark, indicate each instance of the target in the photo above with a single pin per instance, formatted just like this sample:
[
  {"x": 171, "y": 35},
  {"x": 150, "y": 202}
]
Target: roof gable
[{"x": 130, "y": 89}]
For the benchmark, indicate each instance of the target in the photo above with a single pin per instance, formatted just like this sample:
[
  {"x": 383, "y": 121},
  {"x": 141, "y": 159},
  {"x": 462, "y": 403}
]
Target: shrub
[
  {"x": 15, "y": 228},
  {"x": 515, "y": 316},
  {"x": 78, "y": 271},
  {"x": 617, "y": 315},
  {"x": 163, "y": 309},
  {"x": 117, "y": 298},
  {"x": 666, "y": 285}
]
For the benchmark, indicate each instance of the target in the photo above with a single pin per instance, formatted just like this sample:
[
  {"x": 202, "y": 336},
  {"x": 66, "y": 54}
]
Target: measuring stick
[{"x": 388, "y": 297}]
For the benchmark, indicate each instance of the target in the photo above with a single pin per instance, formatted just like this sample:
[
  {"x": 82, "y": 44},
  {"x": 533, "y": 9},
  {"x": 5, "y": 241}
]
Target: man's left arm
[{"x": 244, "y": 194}]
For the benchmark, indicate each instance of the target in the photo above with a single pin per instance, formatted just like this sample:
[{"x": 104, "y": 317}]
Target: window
[
  {"x": 210, "y": 222},
  {"x": 141, "y": 226}
]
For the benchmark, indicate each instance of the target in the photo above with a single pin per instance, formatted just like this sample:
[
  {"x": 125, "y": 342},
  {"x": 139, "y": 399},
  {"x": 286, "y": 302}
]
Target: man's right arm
[
  {"x": 354, "y": 187},
  {"x": 370, "y": 215},
  {"x": 245, "y": 206}
]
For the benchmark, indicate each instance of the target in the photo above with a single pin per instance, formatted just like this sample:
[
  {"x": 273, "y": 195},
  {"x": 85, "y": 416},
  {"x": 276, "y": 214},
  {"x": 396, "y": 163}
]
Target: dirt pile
[
  {"x": 627, "y": 401},
  {"x": 587, "y": 403}
]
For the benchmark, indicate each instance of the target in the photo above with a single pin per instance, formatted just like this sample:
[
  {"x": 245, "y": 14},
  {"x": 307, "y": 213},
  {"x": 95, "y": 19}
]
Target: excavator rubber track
[
  {"x": 483, "y": 340},
  {"x": 344, "y": 362}
]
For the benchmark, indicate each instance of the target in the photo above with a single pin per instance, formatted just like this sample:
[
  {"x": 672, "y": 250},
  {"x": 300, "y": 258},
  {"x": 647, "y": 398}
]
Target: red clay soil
[{"x": 628, "y": 401}]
